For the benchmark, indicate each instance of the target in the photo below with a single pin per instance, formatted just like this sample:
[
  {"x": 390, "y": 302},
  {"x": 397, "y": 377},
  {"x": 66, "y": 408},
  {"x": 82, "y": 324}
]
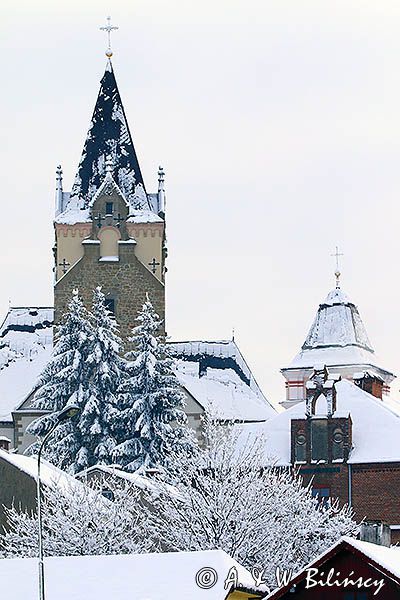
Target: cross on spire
[
  {"x": 109, "y": 28},
  {"x": 337, "y": 272}
]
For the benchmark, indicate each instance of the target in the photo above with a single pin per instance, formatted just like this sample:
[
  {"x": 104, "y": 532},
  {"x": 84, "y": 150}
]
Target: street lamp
[{"x": 66, "y": 413}]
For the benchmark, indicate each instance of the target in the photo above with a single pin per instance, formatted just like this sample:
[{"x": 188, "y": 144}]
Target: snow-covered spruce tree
[
  {"x": 106, "y": 371},
  {"x": 77, "y": 520},
  {"x": 64, "y": 381},
  {"x": 228, "y": 496},
  {"x": 86, "y": 370},
  {"x": 151, "y": 401}
]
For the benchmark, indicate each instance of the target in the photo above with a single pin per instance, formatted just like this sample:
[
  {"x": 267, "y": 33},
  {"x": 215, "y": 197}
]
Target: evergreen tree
[
  {"x": 85, "y": 370},
  {"x": 107, "y": 369},
  {"x": 151, "y": 400},
  {"x": 64, "y": 381}
]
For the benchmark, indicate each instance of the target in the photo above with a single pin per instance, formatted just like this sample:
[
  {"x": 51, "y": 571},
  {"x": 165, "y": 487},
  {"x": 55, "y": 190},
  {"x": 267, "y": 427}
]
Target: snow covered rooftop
[
  {"x": 26, "y": 337},
  {"x": 376, "y": 427},
  {"x": 164, "y": 576},
  {"x": 140, "y": 481},
  {"x": 222, "y": 393},
  {"x": 49, "y": 474},
  {"x": 381, "y": 557},
  {"x": 337, "y": 337},
  {"x": 218, "y": 377}
]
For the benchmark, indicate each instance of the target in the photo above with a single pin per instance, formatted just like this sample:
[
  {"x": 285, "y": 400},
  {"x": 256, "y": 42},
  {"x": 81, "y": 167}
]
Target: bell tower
[{"x": 108, "y": 230}]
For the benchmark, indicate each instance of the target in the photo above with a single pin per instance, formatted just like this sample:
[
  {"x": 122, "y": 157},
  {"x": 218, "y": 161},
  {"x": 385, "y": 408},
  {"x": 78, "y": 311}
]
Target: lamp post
[{"x": 67, "y": 413}]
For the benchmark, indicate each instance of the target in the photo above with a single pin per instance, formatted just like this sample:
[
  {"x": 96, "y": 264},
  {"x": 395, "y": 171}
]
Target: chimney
[
  {"x": 5, "y": 443},
  {"x": 375, "y": 532},
  {"x": 369, "y": 382}
]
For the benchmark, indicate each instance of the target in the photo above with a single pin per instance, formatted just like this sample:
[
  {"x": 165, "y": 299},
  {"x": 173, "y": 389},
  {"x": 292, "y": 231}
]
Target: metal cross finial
[
  {"x": 108, "y": 28},
  {"x": 337, "y": 272}
]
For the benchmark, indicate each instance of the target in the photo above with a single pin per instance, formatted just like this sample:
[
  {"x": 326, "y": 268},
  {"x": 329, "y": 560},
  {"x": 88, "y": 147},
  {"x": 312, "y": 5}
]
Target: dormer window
[{"x": 109, "y": 208}]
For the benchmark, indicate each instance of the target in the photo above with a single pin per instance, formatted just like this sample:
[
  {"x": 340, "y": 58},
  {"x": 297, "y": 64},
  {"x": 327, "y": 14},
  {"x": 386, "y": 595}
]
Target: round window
[
  {"x": 301, "y": 438},
  {"x": 338, "y": 436}
]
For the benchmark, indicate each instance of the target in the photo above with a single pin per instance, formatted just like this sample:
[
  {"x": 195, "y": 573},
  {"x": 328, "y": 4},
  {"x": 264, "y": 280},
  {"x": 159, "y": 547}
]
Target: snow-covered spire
[
  {"x": 337, "y": 324},
  {"x": 109, "y": 136},
  {"x": 59, "y": 190}
]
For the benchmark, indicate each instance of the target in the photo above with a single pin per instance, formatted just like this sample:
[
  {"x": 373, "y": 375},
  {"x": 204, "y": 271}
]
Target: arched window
[{"x": 109, "y": 237}]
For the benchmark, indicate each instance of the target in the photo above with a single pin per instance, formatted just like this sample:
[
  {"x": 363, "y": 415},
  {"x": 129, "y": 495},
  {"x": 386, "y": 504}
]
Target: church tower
[
  {"x": 337, "y": 340},
  {"x": 108, "y": 230}
]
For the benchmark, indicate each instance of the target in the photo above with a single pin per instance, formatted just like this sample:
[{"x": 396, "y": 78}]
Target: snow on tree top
[{"x": 109, "y": 137}]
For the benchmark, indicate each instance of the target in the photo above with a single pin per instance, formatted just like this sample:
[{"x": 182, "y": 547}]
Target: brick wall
[{"x": 375, "y": 489}]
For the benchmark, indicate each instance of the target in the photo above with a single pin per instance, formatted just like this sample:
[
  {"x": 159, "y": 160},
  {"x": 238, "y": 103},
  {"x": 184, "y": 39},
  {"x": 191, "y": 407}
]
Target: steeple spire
[{"x": 109, "y": 136}]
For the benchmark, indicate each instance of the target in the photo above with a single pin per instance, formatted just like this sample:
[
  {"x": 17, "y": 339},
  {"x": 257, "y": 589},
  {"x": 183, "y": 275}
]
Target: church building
[
  {"x": 110, "y": 232},
  {"x": 340, "y": 429},
  {"x": 337, "y": 339}
]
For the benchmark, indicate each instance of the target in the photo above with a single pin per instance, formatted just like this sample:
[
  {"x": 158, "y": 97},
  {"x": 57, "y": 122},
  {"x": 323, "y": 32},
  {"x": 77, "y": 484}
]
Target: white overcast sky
[{"x": 278, "y": 125}]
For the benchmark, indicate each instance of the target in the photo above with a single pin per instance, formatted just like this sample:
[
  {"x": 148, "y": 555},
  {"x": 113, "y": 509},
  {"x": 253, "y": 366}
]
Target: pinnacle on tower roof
[
  {"x": 337, "y": 324},
  {"x": 109, "y": 136}
]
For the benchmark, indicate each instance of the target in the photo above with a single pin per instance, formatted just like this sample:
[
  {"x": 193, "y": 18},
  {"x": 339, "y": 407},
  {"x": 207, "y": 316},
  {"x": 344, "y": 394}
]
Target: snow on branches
[
  {"x": 228, "y": 498},
  {"x": 151, "y": 400},
  {"x": 131, "y": 409},
  {"x": 77, "y": 520}
]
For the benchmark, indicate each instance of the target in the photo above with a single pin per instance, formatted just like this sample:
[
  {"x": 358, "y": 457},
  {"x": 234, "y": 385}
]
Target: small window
[
  {"x": 109, "y": 208},
  {"x": 322, "y": 493},
  {"x": 110, "y": 304},
  {"x": 107, "y": 493}
]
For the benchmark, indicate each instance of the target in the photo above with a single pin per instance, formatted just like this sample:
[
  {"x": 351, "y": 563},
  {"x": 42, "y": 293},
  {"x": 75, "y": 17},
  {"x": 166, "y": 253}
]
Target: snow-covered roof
[
  {"x": 224, "y": 353},
  {"x": 337, "y": 337},
  {"x": 164, "y": 576},
  {"x": 383, "y": 557},
  {"x": 388, "y": 558},
  {"x": 49, "y": 474},
  {"x": 222, "y": 393},
  {"x": 140, "y": 481},
  {"x": 109, "y": 135},
  {"x": 26, "y": 337},
  {"x": 375, "y": 423},
  {"x": 216, "y": 374}
]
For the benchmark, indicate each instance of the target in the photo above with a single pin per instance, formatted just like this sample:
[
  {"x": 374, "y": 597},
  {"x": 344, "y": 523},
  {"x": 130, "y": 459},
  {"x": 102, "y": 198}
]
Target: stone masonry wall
[{"x": 126, "y": 281}]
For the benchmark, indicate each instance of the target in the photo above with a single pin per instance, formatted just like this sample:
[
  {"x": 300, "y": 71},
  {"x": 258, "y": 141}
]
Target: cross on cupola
[
  {"x": 64, "y": 265},
  {"x": 337, "y": 255},
  {"x": 154, "y": 264},
  {"x": 108, "y": 29}
]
